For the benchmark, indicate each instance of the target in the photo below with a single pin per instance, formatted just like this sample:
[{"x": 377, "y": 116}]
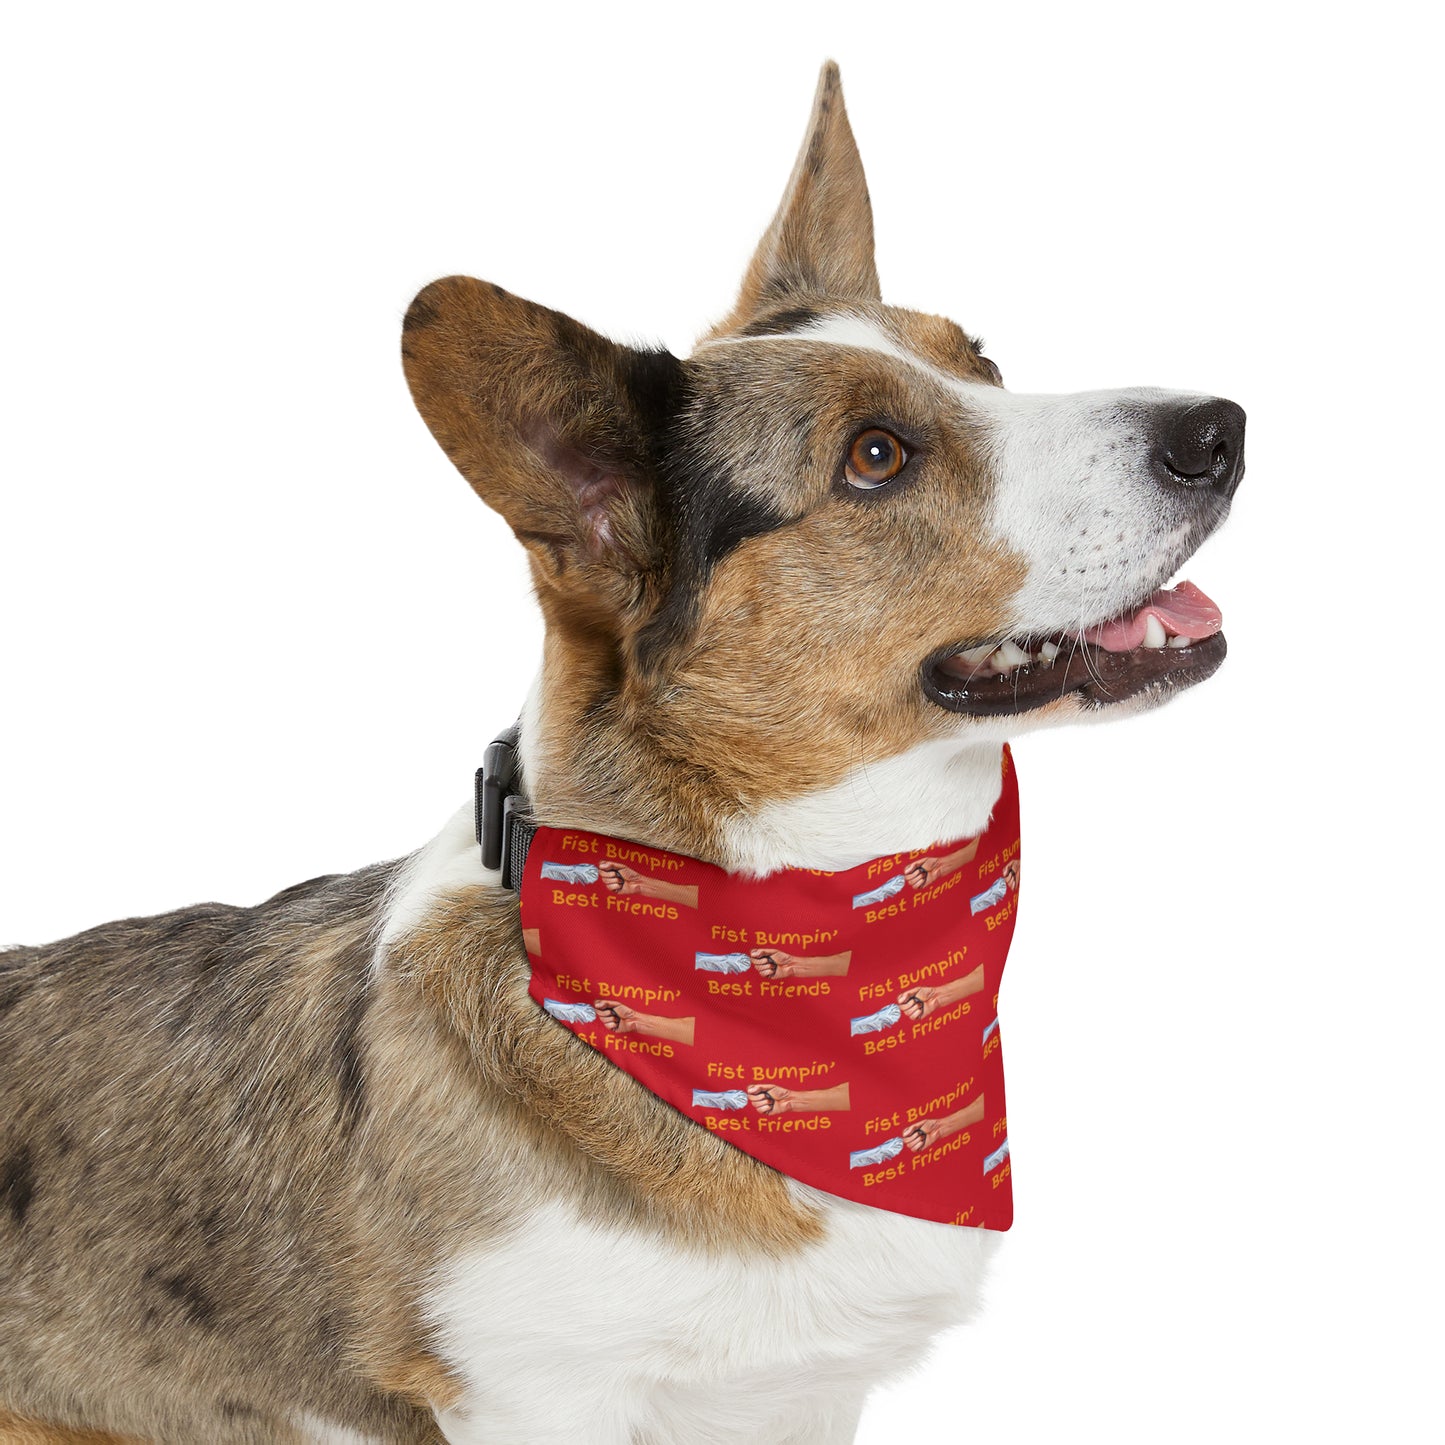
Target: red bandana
[{"x": 841, "y": 1027}]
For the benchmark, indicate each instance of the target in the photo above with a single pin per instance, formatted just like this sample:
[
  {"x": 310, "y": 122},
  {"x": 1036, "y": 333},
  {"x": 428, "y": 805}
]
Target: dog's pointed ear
[
  {"x": 556, "y": 427},
  {"x": 820, "y": 243}
]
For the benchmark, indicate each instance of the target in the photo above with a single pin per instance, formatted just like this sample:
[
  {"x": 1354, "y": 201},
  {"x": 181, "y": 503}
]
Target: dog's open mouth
[{"x": 1169, "y": 641}]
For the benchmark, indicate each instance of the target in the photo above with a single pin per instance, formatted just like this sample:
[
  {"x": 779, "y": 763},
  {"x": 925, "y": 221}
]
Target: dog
[{"x": 319, "y": 1170}]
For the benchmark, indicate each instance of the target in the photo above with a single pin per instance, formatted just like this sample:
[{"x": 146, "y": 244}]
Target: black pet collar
[{"x": 504, "y": 827}]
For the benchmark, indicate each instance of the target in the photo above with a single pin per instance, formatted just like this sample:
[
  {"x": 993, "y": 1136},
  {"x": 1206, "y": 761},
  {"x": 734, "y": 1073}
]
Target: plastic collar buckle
[{"x": 504, "y": 830}]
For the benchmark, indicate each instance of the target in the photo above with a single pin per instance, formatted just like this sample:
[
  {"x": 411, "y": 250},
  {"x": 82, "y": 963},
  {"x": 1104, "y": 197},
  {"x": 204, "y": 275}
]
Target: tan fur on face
[
  {"x": 939, "y": 342},
  {"x": 834, "y": 696}
]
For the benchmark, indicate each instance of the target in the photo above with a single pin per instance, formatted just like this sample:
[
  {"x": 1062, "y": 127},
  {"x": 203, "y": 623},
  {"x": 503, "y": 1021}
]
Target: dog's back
[{"x": 180, "y": 1092}]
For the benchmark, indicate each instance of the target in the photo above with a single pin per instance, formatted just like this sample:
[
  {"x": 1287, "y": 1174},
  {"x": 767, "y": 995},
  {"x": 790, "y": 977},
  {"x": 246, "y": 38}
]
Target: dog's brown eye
[{"x": 875, "y": 457}]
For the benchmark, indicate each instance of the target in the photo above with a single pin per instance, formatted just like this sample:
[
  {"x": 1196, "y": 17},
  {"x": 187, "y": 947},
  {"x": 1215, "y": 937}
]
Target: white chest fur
[{"x": 570, "y": 1331}]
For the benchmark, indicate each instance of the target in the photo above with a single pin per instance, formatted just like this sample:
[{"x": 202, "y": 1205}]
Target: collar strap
[{"x": 503, "y": 820}]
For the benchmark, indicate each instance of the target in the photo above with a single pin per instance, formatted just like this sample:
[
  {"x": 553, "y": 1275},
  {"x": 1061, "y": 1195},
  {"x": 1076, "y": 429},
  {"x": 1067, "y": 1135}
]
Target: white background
[{"x": 255, "y": 628}]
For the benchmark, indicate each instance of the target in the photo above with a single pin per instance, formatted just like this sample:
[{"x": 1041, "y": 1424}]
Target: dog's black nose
[{"x": 1201, "y": 444}]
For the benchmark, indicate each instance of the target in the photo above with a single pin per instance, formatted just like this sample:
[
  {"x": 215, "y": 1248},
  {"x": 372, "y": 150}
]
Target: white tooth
[
  {"x": 976, "y": 655},
  {"x": 1012, "y": 655},
  {"x": 1180, "y": 641},
  {"x": 1154, "y": 634},
  {"x": 1049, "y": 651},
  {"x": 996, "y": 662}
]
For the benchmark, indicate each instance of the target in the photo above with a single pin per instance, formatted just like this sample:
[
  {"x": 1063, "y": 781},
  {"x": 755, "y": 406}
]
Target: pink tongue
[{"x": 1185, "y": 611}]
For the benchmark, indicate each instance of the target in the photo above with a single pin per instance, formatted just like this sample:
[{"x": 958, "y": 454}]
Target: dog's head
[{"x": 829, "y": 535}]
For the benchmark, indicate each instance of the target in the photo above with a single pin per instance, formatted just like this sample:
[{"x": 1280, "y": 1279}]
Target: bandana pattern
[{"x": 840, "y": 1027}]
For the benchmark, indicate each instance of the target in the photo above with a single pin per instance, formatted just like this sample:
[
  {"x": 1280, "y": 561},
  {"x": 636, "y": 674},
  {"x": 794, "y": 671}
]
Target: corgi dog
[{"x": 320, "y": 1170}]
